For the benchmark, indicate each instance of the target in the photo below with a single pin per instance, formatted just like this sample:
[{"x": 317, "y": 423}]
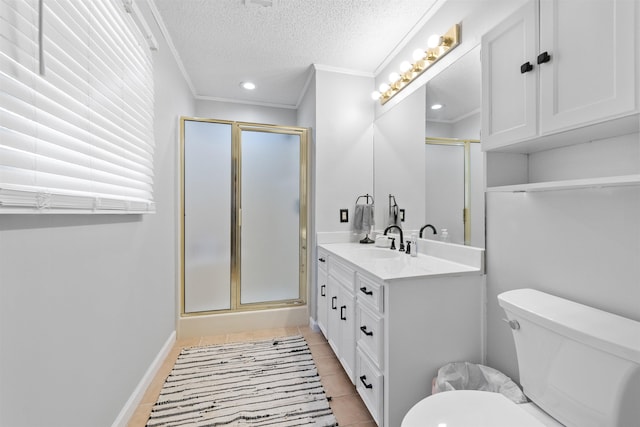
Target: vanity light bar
[{"x": 439, "y": 46}]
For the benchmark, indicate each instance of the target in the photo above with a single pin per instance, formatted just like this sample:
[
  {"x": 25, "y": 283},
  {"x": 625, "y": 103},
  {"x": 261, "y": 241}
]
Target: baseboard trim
[
  {"x": 138, "y": 393},
  {"x": 314, "y": 325}
]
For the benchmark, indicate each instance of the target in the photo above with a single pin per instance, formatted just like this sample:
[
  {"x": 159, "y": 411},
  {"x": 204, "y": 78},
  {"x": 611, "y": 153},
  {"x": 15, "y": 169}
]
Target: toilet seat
[{"x": 468, "y": 408}]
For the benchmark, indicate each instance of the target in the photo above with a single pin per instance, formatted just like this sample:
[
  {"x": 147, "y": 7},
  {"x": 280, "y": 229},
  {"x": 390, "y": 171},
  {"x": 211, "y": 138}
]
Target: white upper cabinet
[
  {"x": 590, "y": 74},
  {"x": 509, "y": 82},
  {"x": 558, "y": 65}
]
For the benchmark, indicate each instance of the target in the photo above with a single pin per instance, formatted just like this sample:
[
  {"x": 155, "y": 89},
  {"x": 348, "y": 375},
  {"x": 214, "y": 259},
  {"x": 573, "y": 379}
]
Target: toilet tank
[{"x": 579, "y": 364}]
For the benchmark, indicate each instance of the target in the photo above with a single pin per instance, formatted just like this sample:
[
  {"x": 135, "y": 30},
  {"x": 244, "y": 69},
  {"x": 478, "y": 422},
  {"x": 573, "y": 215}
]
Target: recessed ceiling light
[
  {"x": 436, "y": 106},
  {"x": 263, "y": 3},
  {"x": 248, "y": 85}
]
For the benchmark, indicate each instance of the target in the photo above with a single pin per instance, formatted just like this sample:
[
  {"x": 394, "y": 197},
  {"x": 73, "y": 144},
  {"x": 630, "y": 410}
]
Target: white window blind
[{"x": 78, "y": 138}]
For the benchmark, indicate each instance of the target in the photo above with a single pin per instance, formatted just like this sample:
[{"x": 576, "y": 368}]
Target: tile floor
[{"x": 345, "y": 401}]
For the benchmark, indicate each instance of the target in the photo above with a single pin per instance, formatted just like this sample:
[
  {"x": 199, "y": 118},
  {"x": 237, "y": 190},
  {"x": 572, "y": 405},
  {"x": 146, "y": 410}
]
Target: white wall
[
  {"x": 583, "y": 244},
  {"x": 343, "y": 146},
  {"x": 307, "y": 118},
  {"x": 245, "y": 113},
  {"x": 438, "y": 129},
  {"x": 87, "y": 301},
  {"x": 467, "y": 128}
]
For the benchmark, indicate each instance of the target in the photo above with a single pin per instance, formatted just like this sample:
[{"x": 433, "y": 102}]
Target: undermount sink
[{"x": 375, "y": 253}]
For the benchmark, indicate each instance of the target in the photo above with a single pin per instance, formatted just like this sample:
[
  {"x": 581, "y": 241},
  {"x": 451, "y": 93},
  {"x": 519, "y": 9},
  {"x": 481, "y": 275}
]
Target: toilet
[{"x": 579, "y": 366}]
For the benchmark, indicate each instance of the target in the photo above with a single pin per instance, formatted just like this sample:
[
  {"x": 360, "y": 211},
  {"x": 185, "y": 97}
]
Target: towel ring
[{"x": 367, "y": 197}]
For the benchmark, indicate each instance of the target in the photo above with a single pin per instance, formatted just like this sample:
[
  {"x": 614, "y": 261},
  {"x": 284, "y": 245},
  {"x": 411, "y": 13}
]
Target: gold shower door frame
[
  {"x": 466, "y": 144},
  {"x": 236, "y": 214}
]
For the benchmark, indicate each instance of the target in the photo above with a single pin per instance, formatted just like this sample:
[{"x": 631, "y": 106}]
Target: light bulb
[
  {"x": 434, "y": 41},
  {"x": 394, "y": 77},
  {"x": 418, "y": 54},
  {"x": 383, "y": 87},
  {"x": 436, "y": 106},
  {"x": 375, "y": 95},
  {"x": 248, "y": 85},
  {"x": 405, "y": 66}
]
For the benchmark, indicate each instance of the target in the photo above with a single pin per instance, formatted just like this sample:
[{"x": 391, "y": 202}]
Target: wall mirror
[
  {"x": 454, "y": 197},
  {"x": 430, "y": 160}
]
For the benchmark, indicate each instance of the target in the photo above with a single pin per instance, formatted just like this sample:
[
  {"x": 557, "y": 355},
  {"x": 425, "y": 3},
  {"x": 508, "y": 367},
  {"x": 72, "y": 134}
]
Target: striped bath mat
[{"x": 263, "y": 383}]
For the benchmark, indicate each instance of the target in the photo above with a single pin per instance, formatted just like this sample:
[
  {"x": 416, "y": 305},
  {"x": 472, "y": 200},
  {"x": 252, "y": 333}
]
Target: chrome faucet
[
  {"x": 428, "y": 226},
  {"x": 401, "y": 248}
]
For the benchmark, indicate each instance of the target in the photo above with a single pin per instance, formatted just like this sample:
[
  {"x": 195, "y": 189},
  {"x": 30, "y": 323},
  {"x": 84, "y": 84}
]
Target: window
[{"x": 76, "y": 108}]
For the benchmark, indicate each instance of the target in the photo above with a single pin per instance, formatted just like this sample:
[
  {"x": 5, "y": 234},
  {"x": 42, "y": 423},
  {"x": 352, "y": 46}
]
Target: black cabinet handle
[
  {"x": 363, "y": 379},
  {"x": 323, "y": 291},
  {"x": 526, "y": 67},
  {"x": 343, "y": 310},
  {"x": 322, "y": 260},
  {"x": 365, "y": 291},
  {"x": 333, "y": 303},
  {"x": 364, "y": 331},
  {"x": 544, "y": 57}
]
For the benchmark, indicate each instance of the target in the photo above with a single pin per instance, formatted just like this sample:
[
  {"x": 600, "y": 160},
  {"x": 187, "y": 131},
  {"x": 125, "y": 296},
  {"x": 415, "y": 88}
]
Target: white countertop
[{"x": 387, "y": 264}]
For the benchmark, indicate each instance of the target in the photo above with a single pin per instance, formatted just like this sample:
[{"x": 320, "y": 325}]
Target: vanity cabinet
[
  {"x": 322, "y": 296},
  {"x": 392, "y": 335},
  {"x": 421, "y": 325},
  {"x": 341, "y": 314},
  {"x": 555, "y": 66},
  {"x": 370, "y": 345}
]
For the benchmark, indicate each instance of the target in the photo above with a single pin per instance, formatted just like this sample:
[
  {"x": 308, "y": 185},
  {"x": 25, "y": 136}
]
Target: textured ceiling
[{"x": 224, "y": 42}]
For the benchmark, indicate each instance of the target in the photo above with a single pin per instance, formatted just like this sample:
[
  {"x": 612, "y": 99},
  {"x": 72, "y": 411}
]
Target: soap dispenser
[
  {"x": 414, "y": 240},
  {"x": 444, "y": 235}
]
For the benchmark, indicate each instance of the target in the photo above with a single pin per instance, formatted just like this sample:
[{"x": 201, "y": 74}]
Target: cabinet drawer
[
  {"x": 369, "y": 384},
  {"x": 370, "y": 334},
  {"x": 322, "y": 302},
  {"x": 342, "y": 273},
  {"x": 370, "y": 293}
]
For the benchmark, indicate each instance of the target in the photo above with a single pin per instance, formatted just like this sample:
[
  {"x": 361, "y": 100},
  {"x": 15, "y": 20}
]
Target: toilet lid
[{"x": 468, "y": 408}]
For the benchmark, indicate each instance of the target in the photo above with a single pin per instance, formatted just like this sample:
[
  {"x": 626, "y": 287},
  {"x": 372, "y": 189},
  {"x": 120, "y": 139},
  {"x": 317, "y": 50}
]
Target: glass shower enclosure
[{"x": 244, "y": 206}]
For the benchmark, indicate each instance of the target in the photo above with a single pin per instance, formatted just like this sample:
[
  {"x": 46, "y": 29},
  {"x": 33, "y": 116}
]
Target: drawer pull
[
  {"x": 333, "y": 303},
  {"x": 343, "y": 310},
  {"x": 323, "y": 292},
  {"x": 365, "y": 291},
  {"x": 364, "y": 331},
  {"x": 322, "y": 260},
  {"x": 363, "y": 379}
]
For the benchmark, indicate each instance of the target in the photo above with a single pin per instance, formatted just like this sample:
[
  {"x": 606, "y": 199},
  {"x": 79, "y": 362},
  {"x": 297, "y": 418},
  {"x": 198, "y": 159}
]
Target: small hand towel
[
  {"x": 394, "y": 216},
  {"x": 362, "y": 218}
]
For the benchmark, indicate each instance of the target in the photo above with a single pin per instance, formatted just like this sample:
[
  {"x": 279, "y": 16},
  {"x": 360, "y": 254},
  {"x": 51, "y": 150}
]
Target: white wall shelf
[{"x": 572, "y": 184}]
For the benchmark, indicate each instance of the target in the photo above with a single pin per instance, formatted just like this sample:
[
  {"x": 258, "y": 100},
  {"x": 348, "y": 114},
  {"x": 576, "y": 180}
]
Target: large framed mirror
[{"x": 436, "y": 183}]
